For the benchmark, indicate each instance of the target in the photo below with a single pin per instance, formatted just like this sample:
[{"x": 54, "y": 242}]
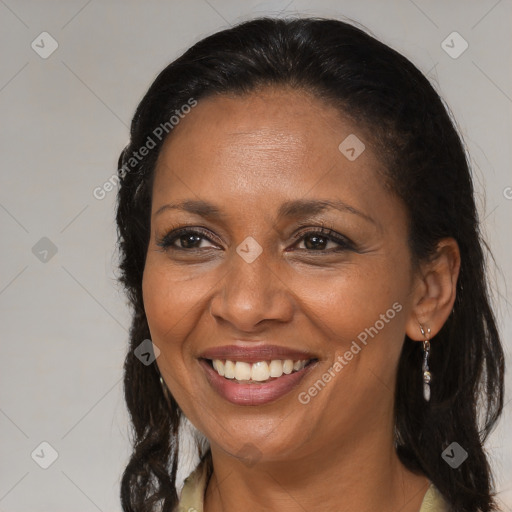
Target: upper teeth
[{"x": 260, "y": 371}]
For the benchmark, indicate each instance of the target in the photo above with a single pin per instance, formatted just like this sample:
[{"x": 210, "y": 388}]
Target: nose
[{"x": 252, "y": 293}]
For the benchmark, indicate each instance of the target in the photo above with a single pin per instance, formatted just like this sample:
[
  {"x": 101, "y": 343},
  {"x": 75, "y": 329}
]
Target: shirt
[{"x": 194, "y": 487}]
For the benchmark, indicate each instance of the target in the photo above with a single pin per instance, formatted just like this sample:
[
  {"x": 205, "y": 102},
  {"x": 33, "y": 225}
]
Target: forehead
[
  {"x": 267, "y": 123},
  {"x": 277, "y": 142}
]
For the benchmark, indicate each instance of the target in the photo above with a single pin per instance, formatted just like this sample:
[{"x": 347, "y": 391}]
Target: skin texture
[{"x": 248, "y": 155}]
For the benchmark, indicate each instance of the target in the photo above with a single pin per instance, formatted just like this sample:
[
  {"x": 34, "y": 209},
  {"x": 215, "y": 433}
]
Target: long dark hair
[{"x": 409, "y": 127}]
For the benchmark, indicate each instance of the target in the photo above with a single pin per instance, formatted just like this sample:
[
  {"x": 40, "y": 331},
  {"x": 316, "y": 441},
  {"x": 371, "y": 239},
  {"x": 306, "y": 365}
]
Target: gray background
[{"x": 64, "y": 120}]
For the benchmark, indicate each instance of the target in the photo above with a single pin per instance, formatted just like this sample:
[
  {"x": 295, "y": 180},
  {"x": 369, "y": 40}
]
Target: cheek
[
  {"x": 355, "y": 297},
  {"x": 167, "y": 307},
  {"x": 173, "y": 302},
  {"x": 158, "y": 301},
  {"x": 361, "y": 313},
  {"x": 169, "y": 297},
  {"x": 164, "y": 304}
]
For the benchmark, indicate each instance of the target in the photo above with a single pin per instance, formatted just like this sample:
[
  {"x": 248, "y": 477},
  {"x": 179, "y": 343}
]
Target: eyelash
[{"x": 167, "y": 241}]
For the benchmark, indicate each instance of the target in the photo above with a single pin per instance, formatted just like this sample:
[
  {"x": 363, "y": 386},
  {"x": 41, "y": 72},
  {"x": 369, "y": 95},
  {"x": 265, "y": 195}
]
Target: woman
[{"x": 299, "y": 240}]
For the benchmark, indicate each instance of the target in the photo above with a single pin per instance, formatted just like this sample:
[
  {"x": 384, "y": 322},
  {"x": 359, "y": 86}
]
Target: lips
[{"x": 261, "y": 390}]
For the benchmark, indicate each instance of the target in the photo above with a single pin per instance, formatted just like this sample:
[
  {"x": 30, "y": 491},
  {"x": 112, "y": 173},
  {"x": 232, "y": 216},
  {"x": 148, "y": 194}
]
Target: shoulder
[
  {"x": 194, "y": 487},
  {"x": 433, "y": 501}
]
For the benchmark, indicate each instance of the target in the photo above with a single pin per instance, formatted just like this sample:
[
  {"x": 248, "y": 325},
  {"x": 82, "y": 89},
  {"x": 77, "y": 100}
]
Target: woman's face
[{"x": 257, "y": 178}]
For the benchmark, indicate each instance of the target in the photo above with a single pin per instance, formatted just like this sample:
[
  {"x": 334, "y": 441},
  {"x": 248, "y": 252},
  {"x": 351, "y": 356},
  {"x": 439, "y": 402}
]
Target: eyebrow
[
  {"x": 198, "y": 207},
  {"x": 295, "y": 208},
  {"x": 310, "y": 207}
]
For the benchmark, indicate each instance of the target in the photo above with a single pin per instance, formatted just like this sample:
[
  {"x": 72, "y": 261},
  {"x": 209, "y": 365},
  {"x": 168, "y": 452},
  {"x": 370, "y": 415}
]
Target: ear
[{"x": 434, "y": 290}]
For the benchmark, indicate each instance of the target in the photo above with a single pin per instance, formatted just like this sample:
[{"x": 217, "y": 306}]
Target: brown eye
[
  {"x": 183, "y": 239},
  {"x": 320, "y": 239}
]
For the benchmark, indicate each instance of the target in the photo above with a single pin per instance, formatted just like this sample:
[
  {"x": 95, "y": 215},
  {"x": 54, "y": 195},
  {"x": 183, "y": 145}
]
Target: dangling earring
[{"x": 427, "y": 376}]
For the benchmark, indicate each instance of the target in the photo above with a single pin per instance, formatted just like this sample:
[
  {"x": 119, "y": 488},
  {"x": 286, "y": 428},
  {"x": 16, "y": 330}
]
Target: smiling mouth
[{"x": 259, "y": 372}]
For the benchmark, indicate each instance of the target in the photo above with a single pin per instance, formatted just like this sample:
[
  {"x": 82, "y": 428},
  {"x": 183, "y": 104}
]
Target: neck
[{"x": 365, "y": 476}]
